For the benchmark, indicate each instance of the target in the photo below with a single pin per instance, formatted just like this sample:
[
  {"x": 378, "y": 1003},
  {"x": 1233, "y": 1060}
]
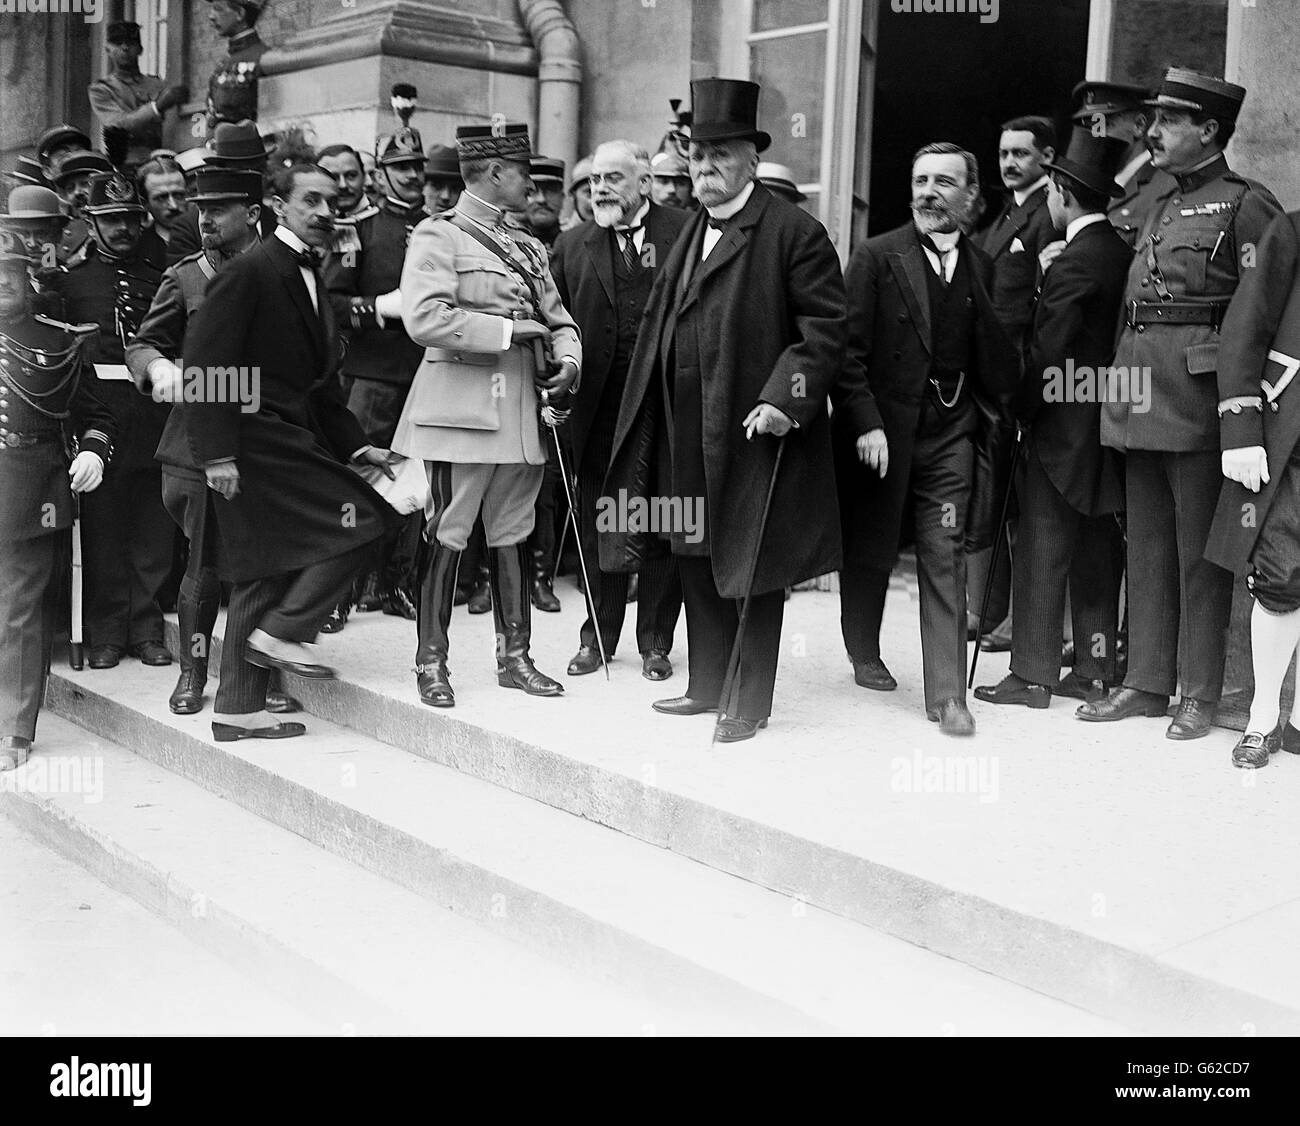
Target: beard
[
  {"x": 610, "y": 212},
  {"x": 934, "y": 216}
]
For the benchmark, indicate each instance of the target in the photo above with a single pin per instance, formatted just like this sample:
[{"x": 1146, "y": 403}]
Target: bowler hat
[
  {"x": 441, "y": 163},
  {"x": 75, "y": 163},
  {"x": 780, "y": 178},
  {"x": 1202, "y": 93},
  {"x": 546, "y": 170},
  {"x": 216, "y": 185},
  {"x": 1102, "y": 98},
  {"x": 237, "y": 144},
  {"x": 502, "y": 141},
  {"x": 13, "y": 248},
  {"x": 1091, "y": 162},
  {"x": 61, "y": 135},
  {"x": 726, "y": 109},
  {"x": 402, "y": 147},
  {"x": 112, "y": 193},
  {"x": 32, "y": 206}
]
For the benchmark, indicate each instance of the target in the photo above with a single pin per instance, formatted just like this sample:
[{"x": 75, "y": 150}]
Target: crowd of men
[{"x": 457, "y": 356}]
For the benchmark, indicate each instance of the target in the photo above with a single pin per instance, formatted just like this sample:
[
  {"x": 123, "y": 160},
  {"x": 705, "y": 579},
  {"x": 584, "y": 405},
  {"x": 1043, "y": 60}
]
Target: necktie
[
  {"x": 718, "y": 224},
  {"x": 309, "y": 258},
  {"x": 943, "y": 262},
  {"x": 629, "y": 247}
]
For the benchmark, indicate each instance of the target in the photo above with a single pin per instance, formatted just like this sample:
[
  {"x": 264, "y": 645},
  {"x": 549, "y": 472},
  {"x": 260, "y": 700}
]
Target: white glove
[
  {"x": 389, "y": 305},
  {"x": 1249, "y": 465},
  {"x": 167, "y": 381},
  {"x": 86, "y": 472}
]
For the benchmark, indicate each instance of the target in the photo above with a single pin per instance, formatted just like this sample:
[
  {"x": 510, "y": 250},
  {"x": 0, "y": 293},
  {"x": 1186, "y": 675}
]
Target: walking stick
[
  {"x": 559, "y": 547},
  {"x": 993, "y": 558},
  {"x": 577, "y": 539},
  {"x": 76, "y": 648},
  {"x": 731, "y": 685}
]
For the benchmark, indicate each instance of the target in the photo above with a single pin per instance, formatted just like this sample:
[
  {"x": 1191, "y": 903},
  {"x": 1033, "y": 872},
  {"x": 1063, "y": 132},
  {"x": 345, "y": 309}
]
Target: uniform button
[
  {"x": 1126, "y": 212},
  {"x": 902, "y": 318},
  {"x": 1155, "y": 240},
  {"x": 4, "y": 418},
  {"x": 1146, "y": 282},
  {"x": 1142, "y": 328},
  {"x": 1168, "y": 220}
]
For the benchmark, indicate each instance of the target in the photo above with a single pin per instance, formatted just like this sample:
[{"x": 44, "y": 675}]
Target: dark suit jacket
[
  {"x": 187, "y": 240},
  {"x": 1075, "y": 322},
  {"x": 889, "y": 340},
  {"x": 583, "y": 266},
  {"x": 298, "y": 502},
  {"x": 1015, "y": 271},
  {"x": 760, "y": 320}
]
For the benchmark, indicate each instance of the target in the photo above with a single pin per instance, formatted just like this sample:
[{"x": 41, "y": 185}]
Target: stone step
[
  {"x": 353, "y": 952},
  {"x": 714, "y": 952},
  {"x": 851, "y": 802}
]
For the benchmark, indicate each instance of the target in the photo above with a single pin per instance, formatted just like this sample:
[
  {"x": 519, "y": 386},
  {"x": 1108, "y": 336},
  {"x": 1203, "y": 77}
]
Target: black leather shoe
[
  {"x": 1253, "y": 749},
  {"x": 734, "y": 729},
  {"x": 281, "y": 703},
  {"x": 187, "y": 696},
  {"x": 1078, "y": 688},
  {"x": 230, "y": 732},
  {"x": 305, "y": 669},
  {"x": 1015, "y": 690},
  {"x": 544, "y": 594},
  {"x": 683, "y": 705},
  {"x": 434, "y": 685},
  {"x": 1123, "y": 703},
  {"x": 655, "y": 665},
  {"x": 1290, "y": 740},
  {"x": 368, "y": 597},
  {"x": 398, "y": 603},
  {"x": 873, "y": 674},
  {"x": 104, "y": 657},
  {"x": 995, "y": 643},
  {"x": 337, "y": 620},
  {"x": 952, "y": 716},
  {"x": 512, "y": 612},
  {"x": 585, "y": 660},
  {"x": 153, "y": 653},
  {"x": 1193, "y": 719}
]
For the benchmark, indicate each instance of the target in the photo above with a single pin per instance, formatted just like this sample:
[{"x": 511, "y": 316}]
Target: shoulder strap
[{"x": 463, "y": 224}]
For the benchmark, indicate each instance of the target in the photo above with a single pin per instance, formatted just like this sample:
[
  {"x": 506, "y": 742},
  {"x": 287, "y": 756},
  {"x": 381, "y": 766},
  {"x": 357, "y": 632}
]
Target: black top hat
[
  {"x": 726, "y": 109},
  {"x": 503, "y": 141},
  {"x": 61, "y": 135},
  {"x": 123, "y": 31},
  {"x": 402, "y": 147},
  {"x": 1201, "y": 93},
  {"x": 216, "y": 185},
  {"x": 442, "y": 164},
  {"x": 237, "y": 144},
  {"x": 112, "y": 193},
  {"x": 1091, "y": 162},
  {"x": 546, "y": 170},
  {"x": 75, "y": 163},
  {"x": 1095, "y": 98}
]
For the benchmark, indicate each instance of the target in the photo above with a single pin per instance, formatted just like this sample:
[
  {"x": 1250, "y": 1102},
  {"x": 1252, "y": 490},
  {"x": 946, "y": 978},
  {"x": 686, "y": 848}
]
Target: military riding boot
[
  {"x": 434, "y": 596},
  {"x": 195, "y": 619},
  {"x": 512, "y": 610}
]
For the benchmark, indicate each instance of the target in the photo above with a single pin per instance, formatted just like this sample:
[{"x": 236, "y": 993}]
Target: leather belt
[
  {"x": 12, "y": 441},
  {"x": 1175, "y": 313}
]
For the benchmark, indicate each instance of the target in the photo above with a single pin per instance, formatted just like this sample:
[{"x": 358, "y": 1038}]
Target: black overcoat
[
  {"x": 890, "y": 339},
  {"x": 298, "y": 503},
  {"x": 765, "y": 318}
]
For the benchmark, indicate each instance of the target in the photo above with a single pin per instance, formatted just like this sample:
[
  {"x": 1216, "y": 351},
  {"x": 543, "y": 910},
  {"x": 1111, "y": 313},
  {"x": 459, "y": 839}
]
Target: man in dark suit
[
  {"x": 1072, "y": 485},
  {"x": 743, "y": 337},
  {"x": 936, "y": 359},
  {"x": 604, "y": 271},
  {"x": 294, "y": 522}
]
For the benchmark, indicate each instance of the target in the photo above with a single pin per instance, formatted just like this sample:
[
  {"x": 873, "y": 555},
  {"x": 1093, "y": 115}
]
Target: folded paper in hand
[{"x": 408, "y": 493}]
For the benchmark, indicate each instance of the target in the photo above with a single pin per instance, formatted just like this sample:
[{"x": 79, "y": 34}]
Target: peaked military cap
[
  {"x": 75, "y": 163},
  {"x": 546, "y": 170},
  {"x": 61, "y": 135},
  {"x": 1202, "y": 93},
  {"x": 215, "y": 185},
  {"x": 1094, "y": 98},
  {"x": 503, "y": 141}
]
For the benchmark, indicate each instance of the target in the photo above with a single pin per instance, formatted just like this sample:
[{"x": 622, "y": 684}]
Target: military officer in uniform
[
  {"x": 363, "y": 275},
  {"x": 1256, "y": 529},
  {"x": 44, "y": 399},
  {"x": 232, "y": 89},
  {"x": 128, "y": 537},
  {"x": 229, "y": 202},
  {"x": 130, "y": 100},
  {"x": 1189, "y": 261},
  {"x": 477, "y": 294}
]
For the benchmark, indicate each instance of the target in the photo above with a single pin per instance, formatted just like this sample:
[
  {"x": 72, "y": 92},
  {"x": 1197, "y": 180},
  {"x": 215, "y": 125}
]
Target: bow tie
[
  {"x": 718, "y": 224},
  {"x": 309, "y": 259}
]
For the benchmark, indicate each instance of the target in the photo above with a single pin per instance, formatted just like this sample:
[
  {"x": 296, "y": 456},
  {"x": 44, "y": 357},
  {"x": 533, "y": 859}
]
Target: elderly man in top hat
[
  {"x": 380, "y": 361},
  {"x": 442, "y": 182},
  {"x": 46, "y": 399},
  {"x": 129, "y": 100},
  {"x": 232, "y": 89},
  {"x": 1073, "y": 486},
  {"x": 1188, "y": 264},
  {"x": 478, "y": 296},
  {"x": 127, "y": 536},
  {"x": 742, "y": 338}
]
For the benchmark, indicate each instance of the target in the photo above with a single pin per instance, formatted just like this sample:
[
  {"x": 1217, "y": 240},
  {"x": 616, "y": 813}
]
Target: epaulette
[
  {"x": 85, "y": 329},
  {"x": 188, "y": 258}
]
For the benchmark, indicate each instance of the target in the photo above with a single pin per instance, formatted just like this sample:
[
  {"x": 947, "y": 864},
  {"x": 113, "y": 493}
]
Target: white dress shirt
[
  {"x": 1020, "y": 197},
  {"x": 638, "y": 221},
  {"x": 733, "y": 206},
  {"x": 1076, "y": 225},
  {"x": 294, "y": 243},
  {"x": 944, "y": 265}
]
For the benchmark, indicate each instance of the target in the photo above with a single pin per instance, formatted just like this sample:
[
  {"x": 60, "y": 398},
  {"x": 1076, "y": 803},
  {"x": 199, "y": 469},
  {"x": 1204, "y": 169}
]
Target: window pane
[
  {"x": 769, "y": 14},
  {"x": 791, "y": 73}
]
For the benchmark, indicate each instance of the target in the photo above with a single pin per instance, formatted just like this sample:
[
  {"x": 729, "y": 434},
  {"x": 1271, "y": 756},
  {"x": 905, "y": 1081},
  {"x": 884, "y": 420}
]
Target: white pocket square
[{"x": 1017, "y": 247}]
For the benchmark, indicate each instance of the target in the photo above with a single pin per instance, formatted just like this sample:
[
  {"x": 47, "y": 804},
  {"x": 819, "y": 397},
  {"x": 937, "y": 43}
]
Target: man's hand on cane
[
  {"x": 767, "y": 419},
  {"x": 86, "y": 472}
]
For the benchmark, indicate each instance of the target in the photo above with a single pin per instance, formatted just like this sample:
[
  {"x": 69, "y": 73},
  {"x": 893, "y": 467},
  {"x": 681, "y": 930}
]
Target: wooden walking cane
[
  {"x": 731, "y": 685},
  {"x": 995, "y": 551},
  {"x": 76, "y": 648}
]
